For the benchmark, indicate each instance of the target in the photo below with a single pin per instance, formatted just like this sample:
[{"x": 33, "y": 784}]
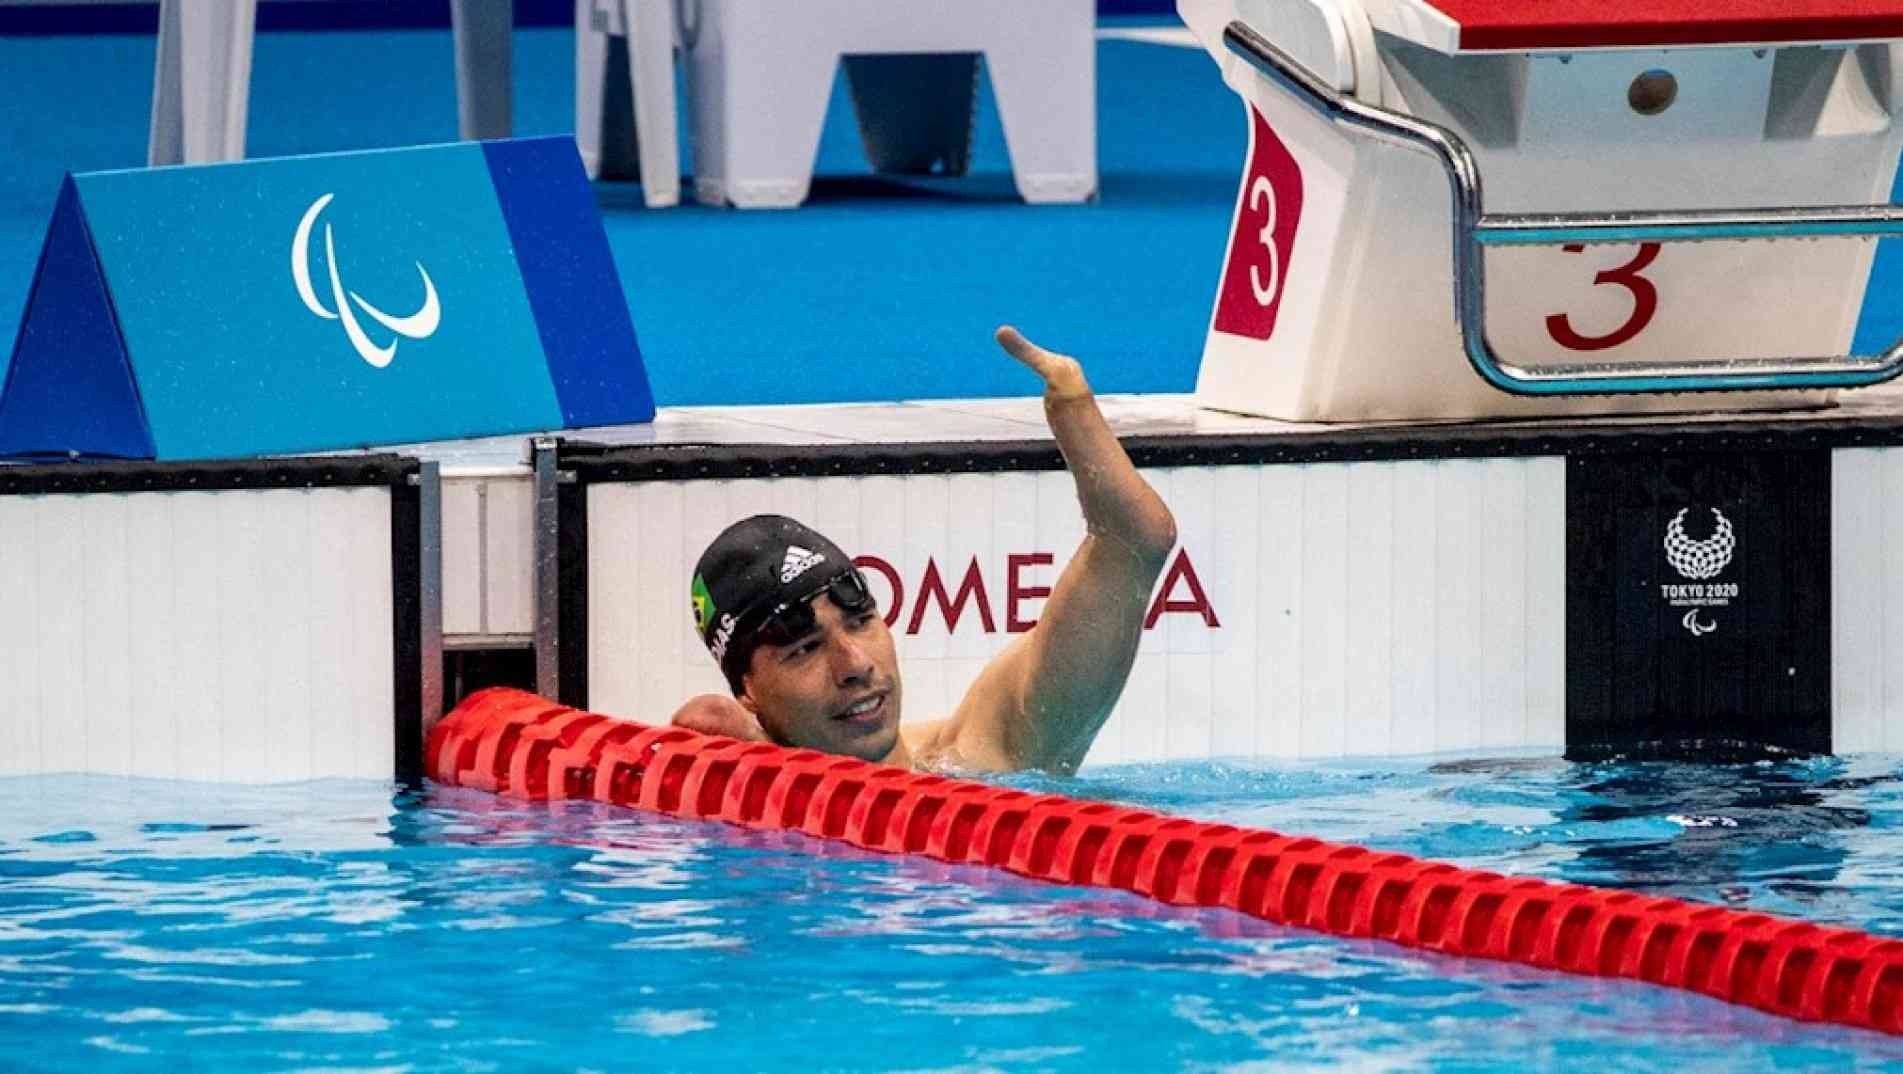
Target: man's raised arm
[{"x": 1040, "y": 703}]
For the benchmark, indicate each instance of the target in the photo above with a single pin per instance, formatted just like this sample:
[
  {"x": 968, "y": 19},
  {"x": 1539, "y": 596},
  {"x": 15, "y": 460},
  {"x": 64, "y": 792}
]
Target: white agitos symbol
[
  {"x": 419, "y": 325},
  {"x": 1260, "y": 192},
  {"x": 1697, "y": 628}
]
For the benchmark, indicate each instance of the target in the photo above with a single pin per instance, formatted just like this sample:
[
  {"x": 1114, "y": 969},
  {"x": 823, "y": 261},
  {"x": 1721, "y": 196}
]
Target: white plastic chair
[
  {"x": 201, "y": 83},
  {"x": 625, "y": 111},
  {"x": 761, "y": 74}
]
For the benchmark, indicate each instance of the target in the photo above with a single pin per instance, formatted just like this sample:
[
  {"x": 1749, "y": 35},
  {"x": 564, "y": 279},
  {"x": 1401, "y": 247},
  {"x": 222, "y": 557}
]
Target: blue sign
[{"x": 322, "y": 302}]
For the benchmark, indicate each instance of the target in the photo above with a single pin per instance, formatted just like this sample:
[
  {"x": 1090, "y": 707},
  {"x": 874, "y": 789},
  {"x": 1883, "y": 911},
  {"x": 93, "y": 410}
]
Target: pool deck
[{"x": 980, "y": 421}]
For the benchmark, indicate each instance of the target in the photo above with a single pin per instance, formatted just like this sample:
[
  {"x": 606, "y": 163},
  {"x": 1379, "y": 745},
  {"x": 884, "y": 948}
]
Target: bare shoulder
[
  {"x": 974, "y": 737},
  {"x": 947, "y": 746},
  {"x": 927, "y": 741}
]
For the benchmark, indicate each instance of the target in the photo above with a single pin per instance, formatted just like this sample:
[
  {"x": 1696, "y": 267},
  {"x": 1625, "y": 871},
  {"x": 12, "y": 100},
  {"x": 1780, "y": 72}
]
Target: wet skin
[{"x": 834, "y": 689}]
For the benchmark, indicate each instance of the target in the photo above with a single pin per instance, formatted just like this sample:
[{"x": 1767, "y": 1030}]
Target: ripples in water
[{"x": 346, "y": 926}]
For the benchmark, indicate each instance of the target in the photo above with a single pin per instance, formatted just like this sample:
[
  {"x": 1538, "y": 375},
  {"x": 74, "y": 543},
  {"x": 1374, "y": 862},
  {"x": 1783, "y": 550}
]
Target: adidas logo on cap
[{"x": 798, "y": 561}]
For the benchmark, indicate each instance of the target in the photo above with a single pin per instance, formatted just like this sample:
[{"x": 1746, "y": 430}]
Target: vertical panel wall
[
  {"x": 1866, "y": 521},
  {"x": 1311, "y": 610},
  {"x": 237, "y": 636},
  {"x": 488, "y": 575}
]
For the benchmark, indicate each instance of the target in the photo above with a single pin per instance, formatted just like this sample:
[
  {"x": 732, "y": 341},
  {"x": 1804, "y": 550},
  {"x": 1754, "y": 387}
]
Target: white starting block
[
  {"x": 761, "y": 74},
  {"x": 1366, "y": 278}
]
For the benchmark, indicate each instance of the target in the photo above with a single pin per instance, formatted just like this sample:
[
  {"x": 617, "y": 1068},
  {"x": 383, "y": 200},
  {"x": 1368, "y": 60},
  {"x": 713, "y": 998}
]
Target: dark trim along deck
[
  {"x": 355, "y": 471},
  {"x": 687, "y": 462}
]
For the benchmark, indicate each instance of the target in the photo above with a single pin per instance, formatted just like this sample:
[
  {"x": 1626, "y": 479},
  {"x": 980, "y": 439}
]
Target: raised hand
[
  {"x": 1040, "y": 702},
  {"x": 1062, "y": 375}
]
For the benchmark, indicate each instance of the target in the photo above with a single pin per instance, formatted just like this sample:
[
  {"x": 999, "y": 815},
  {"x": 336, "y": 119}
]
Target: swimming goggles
[{"x": 789, "y": 621}]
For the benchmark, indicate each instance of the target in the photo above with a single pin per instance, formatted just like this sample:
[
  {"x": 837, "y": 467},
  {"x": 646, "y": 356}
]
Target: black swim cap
[{"x": 755, "y": 565}]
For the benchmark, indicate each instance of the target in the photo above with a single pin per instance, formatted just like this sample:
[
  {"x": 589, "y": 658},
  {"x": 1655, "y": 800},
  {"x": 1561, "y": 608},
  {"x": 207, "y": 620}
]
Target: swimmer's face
[{"x": 835, "y": 688}]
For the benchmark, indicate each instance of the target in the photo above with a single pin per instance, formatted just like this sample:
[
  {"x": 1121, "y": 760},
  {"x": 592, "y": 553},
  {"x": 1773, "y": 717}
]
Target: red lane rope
[{"x": 520, "y": 745}]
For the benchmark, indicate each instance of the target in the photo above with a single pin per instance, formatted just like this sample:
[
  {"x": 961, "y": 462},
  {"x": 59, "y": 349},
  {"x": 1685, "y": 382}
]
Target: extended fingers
[
  {"x": 1061, "y": 374},
  {"x": 1022, "y": 349}
]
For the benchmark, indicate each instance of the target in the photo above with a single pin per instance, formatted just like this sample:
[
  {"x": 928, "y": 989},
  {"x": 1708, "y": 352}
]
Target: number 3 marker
[
  {"x": 1259, "y": 192},
  {"x": 1260, "y": 262},
  {"x": 1645, "y": 302}
]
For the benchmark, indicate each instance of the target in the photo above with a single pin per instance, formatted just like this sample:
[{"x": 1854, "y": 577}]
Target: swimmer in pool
[{"x": 811, "y": 662}]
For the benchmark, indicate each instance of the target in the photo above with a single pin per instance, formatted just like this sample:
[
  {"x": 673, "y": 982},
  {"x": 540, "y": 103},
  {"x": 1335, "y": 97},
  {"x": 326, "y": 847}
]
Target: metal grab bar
[{"x": 1473, "y": 231}]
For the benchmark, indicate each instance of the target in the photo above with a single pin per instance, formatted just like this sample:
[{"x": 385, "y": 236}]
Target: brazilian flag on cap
[{"x": 703, "y": 605}]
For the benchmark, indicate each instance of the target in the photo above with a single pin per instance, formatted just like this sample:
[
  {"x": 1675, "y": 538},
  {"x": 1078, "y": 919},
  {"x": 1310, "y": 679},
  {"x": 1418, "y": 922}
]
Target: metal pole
[
  {"x": 430, "y": 569},
  {"x": 548, "y": 591}
]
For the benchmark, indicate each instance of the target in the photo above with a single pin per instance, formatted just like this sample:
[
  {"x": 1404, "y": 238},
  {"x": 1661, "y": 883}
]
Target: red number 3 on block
[{"x": 1645, "y": 302}]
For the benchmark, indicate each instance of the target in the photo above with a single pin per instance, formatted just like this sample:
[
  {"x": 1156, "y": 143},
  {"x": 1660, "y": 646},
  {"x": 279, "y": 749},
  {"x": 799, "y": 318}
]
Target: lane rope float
[{"x": 516, "y": 744}]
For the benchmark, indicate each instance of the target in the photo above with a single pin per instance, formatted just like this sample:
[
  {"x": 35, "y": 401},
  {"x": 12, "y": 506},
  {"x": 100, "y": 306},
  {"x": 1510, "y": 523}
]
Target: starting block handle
[{"x": 1474, "y": 231}]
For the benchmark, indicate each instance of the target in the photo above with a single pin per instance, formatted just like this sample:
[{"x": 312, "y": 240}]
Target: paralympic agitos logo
[
  {"x": 418, "y": 325},
  {"x": 951, "y": 596}
]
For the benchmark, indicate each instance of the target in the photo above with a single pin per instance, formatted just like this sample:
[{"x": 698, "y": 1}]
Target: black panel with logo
[{"x": 1698, "y": 602}]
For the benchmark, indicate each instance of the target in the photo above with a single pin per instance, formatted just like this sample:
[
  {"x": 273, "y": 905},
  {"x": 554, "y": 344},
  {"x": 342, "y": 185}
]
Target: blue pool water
[{"x": 350, "y": 927}]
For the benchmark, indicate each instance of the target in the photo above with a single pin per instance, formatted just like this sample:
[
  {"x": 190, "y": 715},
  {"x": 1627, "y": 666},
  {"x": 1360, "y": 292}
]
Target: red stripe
[{"x": 1555, "y": 24}]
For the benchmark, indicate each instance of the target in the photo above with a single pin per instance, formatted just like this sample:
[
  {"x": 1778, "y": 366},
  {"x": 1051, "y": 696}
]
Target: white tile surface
[
  {"x": 1368, "y": 723},
  {"x": 1866, "y": 599},
  {"x": 1416, "y": 645},
  {"x": 463, "y": 579},
  {"x": 1322, "y": 652},
  {"x": 1545, "y": 566},
  {"x": 508, "y": 556},
  {"x": 20, "y": 727},
  {"x": 188, "y": 635},
  {"x": 1235, "y": 564}
]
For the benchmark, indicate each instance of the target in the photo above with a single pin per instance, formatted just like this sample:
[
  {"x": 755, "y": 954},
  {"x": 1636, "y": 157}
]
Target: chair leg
[
  {"x": 757, "y": 119},
  {"x": 201, "y": 81},
  {"x": 604, "y": 116},
  {"x": 1046, "y": 82},
  {"x": 651, "y": 79},
  {"x": 484, "y": 68}
]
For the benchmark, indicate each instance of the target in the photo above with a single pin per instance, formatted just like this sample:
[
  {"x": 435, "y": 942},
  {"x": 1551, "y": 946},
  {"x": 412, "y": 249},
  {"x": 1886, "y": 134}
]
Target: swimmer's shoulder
[
  {"x": 928, "y": 742},
  {"x": 937, "y": 746}
]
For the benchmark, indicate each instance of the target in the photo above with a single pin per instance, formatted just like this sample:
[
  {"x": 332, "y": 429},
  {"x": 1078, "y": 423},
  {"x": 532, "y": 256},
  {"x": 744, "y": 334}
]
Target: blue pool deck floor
[{"x": 876, "y": 290}]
